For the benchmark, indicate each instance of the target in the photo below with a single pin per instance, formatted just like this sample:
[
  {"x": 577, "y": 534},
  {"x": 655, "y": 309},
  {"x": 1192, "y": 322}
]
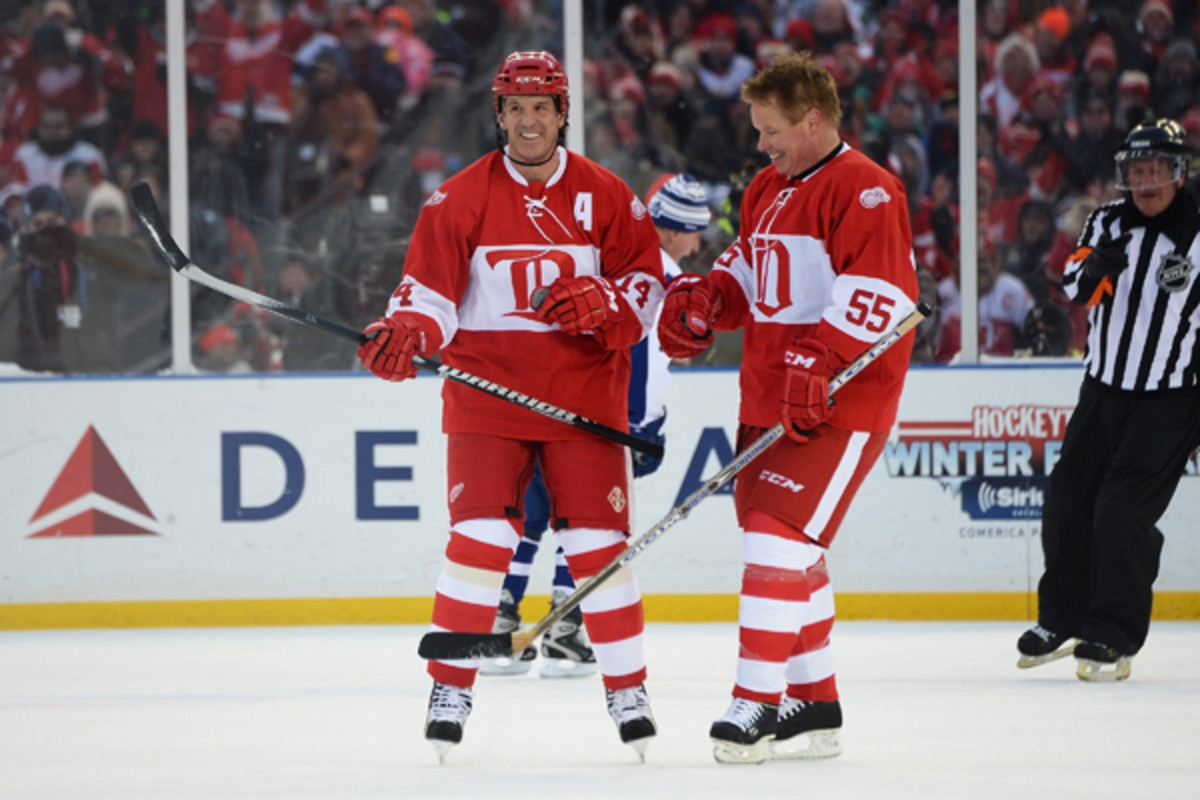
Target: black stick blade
[
  {"x": 447, "y": 646},
  {"x": 146, "y": 210}
]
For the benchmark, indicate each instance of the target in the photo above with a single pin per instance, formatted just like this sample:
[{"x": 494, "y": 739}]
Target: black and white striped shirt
[{"x": 1145, "y": 336}]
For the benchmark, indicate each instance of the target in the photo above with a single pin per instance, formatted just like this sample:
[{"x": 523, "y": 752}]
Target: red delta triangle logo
[{"x": 91, "y": 470}]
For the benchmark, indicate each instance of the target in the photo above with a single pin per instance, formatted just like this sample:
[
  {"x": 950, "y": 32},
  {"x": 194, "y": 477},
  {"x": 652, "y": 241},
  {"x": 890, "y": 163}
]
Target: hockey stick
[
  {"x": 147, "y": 213},
  {"x": 448, "y": 645}
]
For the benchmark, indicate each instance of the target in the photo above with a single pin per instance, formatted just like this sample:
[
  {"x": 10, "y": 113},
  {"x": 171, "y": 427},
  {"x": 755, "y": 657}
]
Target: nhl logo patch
[
  {"x": 1173, "y": 273},
  {"x": 616, "y": 499}
]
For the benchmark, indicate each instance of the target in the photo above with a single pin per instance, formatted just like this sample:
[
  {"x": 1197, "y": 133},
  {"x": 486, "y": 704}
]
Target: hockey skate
[
  {"x": 565, "y": 647},
  {"x": 1039, "y": 646},
  {"x": 449, "y": 707},
  {"x": 508, "y": 621},
  {"x": 630, "y": 709},
  {"x": 1099, "y": 663},
  {"x": 807, "y": 730},
  {"x": 743, "y": 735}
]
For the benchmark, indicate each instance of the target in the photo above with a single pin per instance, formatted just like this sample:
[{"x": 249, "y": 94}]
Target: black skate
[
  {"x": 449, "y": 707},
  {"x": 630, "y": 709},
  {"x": 567, "y": 651},
  {"x": 1039, "y": 646},
  {"x": 807, "y": 730},
  {"x": 1097, "y": 662},
  {"x": 743, "y": 735},
  {"x": 508, "y": 621}
]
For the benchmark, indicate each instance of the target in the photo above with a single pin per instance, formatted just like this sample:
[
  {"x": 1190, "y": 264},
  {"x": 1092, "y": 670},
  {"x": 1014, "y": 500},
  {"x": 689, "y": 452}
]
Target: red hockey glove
[
  {"x": 391, "y": 344},
  {"x": 806, "y": 400},
  {"x": 580, "y": 305},
  {"x": 688, "y": 311}
]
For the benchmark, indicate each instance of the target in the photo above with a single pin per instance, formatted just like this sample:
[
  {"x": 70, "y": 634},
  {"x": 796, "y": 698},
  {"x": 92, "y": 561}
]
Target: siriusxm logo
[{"x": 1003, "y": 498}]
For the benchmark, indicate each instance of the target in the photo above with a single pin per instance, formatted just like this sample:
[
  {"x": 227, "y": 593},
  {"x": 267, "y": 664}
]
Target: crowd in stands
[{"x": 316, "y": 128}]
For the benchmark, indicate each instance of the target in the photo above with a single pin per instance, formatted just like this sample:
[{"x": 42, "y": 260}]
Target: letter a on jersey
[{"x": 91, "y": 470}]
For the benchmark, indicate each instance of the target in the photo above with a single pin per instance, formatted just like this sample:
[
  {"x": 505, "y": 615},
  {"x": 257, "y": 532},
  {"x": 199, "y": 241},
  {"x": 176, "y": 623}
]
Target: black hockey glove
[{"x": 1107, "y": 258}]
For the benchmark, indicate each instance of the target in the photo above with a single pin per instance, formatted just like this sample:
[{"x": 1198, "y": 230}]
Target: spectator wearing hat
[
  {"x": 1098, "y": 73},
  {"x": 332, "y": 138},
  {"x": 1177, "y": 82},
  {"x": 997, "y": 20},
  {"x": 1133, "y": 100},
  {"x": 66, "y": 67},
  {"x": 220, "y": 350},
  {"x": 720, "y": 69},
  {"x": 1039, "y": 135},
  {"x": 834, "y": 22},
  {"x": 394, "y": 30},
  {"x": 638, "y": 41},
  {"x": 128, "y": 293},
  {"x": 799, "y": 35},
  {"x": 371, "y": 67},
  {"x": 1016, "y": 65},
  {"x": 647, "y": 155},
  {"x": 1156, "y": 26},
  {"x": 669, "y": 103},
  {"x": 1050, "y": 38}
]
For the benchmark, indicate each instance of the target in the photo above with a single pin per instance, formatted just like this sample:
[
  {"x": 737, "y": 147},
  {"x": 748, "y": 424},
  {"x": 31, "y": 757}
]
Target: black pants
[{"x": 1121, "y": 461}]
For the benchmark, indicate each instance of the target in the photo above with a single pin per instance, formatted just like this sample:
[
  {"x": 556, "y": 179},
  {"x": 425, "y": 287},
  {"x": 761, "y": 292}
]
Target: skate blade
[
  {"x": 1101, "y": 672},
  {"x": 639, "y": 746},
  {"x": 735, "y": 753},
  {"x": 825, "y": 743},
  {"x": 566, "y": 668},
  {"x": 442, "y": 748},
  {"x": 1026, "y": 662},
  {"x": 505, "y": 666}
]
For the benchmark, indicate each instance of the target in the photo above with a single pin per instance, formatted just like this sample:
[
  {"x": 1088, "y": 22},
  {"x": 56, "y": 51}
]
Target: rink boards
[{"x": 314, "y": 499}]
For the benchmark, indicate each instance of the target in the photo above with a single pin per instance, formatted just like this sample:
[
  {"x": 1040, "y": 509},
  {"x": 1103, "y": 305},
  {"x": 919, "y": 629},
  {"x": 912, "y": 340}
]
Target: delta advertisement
[{"x": 202, "y": 488}]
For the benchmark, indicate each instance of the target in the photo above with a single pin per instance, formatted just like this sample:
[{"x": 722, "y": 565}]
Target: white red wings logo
[{"x": 873, "y": 197}]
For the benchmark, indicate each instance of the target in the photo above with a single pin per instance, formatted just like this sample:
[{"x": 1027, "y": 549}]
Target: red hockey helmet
[{"x": 535, "y": 72}]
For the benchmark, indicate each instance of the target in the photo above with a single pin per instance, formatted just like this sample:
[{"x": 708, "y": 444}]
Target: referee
[{"x": 1138, "y": 416}]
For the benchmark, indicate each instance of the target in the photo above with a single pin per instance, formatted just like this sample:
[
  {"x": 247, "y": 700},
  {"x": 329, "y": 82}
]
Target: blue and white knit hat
[{"x": 681, "y": 204}]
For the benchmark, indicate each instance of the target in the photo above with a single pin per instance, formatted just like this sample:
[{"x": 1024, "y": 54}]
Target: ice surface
[{"x": 933, "y": 710}]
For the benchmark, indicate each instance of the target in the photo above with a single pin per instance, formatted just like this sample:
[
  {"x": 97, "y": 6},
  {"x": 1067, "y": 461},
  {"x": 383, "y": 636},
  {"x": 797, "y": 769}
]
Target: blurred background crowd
[{"x": 316, "y": 129}]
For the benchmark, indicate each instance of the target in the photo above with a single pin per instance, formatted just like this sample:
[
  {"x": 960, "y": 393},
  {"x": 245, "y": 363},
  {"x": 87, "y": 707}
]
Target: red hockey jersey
[
  {"x": 484, "y": 243},
  {"x": 826, "y": 254}
]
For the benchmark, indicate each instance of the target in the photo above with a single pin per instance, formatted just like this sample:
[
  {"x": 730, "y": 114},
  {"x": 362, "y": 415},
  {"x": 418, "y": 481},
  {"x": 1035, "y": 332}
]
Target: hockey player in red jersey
[
  {"x": 822, "y": 267},
  {"x": 531, "y": 216}
]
